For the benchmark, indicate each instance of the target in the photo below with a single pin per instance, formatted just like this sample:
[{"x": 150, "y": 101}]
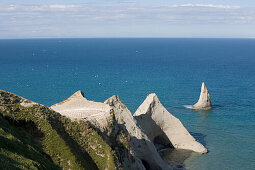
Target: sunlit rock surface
[
  {"x": 204, "y": 102},
  {"x": 163, "y": 128}
]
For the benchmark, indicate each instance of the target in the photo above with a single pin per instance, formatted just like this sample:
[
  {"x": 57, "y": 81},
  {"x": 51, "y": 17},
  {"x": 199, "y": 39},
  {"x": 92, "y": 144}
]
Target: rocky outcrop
[
  {"x": 133, "y": 139},
  {"x": 116, "y": 124},
  {"x": 163, "y": 128},
  {"x": 204, "y": 102},
  {"x": 78, "y": 107},
  {"x": 140, "y": 144}
]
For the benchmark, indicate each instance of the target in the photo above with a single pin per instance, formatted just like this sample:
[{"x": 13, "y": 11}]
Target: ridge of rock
[
  {"x": 163, "y": 128},
  {"x": 78, "y": 107},
  {"x": 109, "y": 123},
  {"x": 204, "y": 102},
  {"x": 140, "y": 144}
]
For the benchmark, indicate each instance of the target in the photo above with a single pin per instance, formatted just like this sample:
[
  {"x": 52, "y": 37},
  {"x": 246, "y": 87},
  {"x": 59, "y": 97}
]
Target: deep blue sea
[{"x": 49, "y": 70}]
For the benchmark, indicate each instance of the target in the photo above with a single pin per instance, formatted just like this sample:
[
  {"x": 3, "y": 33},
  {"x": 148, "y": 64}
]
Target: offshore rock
[
  {"x": 204, "y": 102},
  {"x": 163, "y": 128}
]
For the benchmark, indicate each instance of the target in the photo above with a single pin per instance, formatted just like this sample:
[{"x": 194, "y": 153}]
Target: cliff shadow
[
  {"x": 154, "y": 132},
  {"x": 172, "y": 156},
  {"x": 79, "y": 152},
  {"x": 175, "y": 157},
  {"x": 9, "y": 163},
  {"x": 29, "y": 134},
  {"x": 112, "y": 139}
]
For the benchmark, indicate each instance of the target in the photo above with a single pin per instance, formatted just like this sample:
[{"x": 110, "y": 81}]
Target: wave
[{"x": 188, "y": 106}]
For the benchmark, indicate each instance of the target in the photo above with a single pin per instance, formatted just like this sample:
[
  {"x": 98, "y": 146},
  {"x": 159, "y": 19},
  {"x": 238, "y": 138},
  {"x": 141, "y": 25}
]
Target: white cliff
[
  {"x": 118, "y": 127},
  {"x": 142, "y": 147},
  {"x": 133, "y": 139},
  {"x": 78, "y": 107},
  {"x": 163, "y": 128},
  {"x": 204, "y": 102},
  {"x": 100, "y": 115}
]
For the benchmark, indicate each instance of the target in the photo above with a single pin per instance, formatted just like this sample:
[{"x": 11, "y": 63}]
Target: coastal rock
[
  {"x": 163, "y": 128},
  {"x": 27, "y": 103},
  {"x": 78, "y": 107},
  {"x": 114, "y": 122},
  {"x": 140, "y": 144},
  {"x": 204, "y": 102}
]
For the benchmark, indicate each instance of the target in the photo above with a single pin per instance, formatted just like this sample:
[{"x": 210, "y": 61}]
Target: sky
[{"x": 127, "y": 18}]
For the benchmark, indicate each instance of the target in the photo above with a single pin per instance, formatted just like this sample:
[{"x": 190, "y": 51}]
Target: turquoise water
[{"x": 50, "y": 70}]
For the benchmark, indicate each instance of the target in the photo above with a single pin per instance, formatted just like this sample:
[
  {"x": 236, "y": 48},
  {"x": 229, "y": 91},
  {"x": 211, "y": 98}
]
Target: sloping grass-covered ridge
[{"x": 35, "y": 136}]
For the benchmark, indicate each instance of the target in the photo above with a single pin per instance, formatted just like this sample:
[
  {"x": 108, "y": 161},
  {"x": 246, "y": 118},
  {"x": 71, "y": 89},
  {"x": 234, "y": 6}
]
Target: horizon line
[{"x": 127, "y": 38}]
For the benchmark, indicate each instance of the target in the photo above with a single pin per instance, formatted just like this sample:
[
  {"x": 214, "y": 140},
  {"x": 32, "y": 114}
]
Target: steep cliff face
[
  {"x": 142, "y": 148},
  {"x": 115, "y": 123},
  {"x": 105, "y": 121},
  {"x": 134, "y": 140},
  {"x": 163, "y": 128},
  {"x": 204, "y": 102}
]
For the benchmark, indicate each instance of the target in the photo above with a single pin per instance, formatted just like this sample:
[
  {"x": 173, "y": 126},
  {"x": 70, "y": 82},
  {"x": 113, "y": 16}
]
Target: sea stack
[
  {"x": 204, "y": 102},
  {"x": 162, "y": 128}
]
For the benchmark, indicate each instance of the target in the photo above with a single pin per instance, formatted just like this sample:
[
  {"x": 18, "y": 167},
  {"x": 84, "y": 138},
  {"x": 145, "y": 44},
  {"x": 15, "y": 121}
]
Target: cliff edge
[
  {"x": 140, "y": 144},
  {"x": 78, "y": 107}
]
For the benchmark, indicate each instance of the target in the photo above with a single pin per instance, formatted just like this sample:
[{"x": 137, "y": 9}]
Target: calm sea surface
[{"x": 50, "y": 70}]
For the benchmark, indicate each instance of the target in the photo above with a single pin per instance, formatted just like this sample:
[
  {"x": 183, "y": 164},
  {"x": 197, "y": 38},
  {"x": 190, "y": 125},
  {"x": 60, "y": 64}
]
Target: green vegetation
[
  {"x": 18, "y": 150},
  {"x": 36, "y": 137}
]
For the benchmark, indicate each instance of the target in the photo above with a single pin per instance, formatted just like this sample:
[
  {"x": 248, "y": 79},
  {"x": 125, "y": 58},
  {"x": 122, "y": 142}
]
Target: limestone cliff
[
  {"x": 116, "y": 125},
  {"x": 163, "y": 128},
  {"x": 78, "y": 107},
  {"x": 140, "y": 144},
  {"x": 204, "y": 102}
]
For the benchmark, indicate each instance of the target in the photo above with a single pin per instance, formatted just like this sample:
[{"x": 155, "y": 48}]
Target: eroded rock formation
[
  {"x": 118, "y": 127},
  {"x": 163, "y": 128},
  {"x": 204, "y": 102},
  {"x": 134, "y": 139},
  {"x": 142, "y": 147},
  {"x": 78, "y": 107}
]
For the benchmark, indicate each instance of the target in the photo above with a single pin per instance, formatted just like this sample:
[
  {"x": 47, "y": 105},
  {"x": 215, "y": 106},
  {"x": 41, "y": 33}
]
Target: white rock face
[
  {"x": 153, "y": 123},
  {"x": 204, "y": 102},
  {"x": 163, "y": 128},
  {"x": 27, "y": 103},
  {"x": 142, "y": 147},
  {"x": 78, "y": 107},
  {"x": 101, "y": 116}
]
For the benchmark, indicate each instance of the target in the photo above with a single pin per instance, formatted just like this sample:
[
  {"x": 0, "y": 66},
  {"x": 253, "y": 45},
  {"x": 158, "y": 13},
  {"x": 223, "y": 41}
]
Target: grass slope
[
  {"x": 36, "y": 137},
  {"x": 18, "y": 151}
]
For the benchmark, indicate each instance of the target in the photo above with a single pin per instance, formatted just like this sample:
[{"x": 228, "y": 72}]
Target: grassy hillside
[
  {"x": 18, "y": 150},
  {"x": 39, "y": 138}
]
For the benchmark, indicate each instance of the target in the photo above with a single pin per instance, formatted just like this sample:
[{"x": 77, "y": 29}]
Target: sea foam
[{"x": 188, "y": 106}]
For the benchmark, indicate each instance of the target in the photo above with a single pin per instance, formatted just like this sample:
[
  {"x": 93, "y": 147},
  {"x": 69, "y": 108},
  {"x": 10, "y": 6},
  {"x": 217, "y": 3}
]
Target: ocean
[{"x": 48, "y": 71}]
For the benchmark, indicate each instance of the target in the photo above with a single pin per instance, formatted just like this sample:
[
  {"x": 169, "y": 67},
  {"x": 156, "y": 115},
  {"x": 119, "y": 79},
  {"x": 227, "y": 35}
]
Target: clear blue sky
[{"x": 127, "y": 18}]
